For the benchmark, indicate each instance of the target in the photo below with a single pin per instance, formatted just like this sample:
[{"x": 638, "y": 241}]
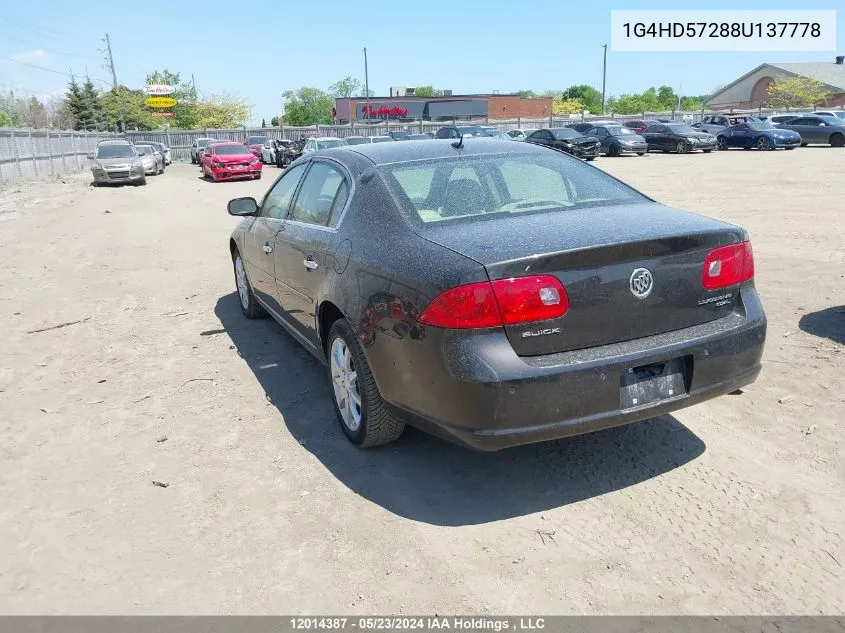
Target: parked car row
[
  {"x": 223, "y": 160},
  {"x": 119, "y": 161}
]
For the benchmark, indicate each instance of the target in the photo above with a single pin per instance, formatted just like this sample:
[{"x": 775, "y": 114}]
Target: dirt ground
[{"x": 734, "y": 506}]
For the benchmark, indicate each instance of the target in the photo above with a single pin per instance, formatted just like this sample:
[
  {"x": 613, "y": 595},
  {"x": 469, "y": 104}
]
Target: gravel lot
[{"x": 734, "y": 506}]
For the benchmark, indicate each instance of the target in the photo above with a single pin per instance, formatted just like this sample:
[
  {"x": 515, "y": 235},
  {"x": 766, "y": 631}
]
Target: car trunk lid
[{"x": 604, "y": 257}]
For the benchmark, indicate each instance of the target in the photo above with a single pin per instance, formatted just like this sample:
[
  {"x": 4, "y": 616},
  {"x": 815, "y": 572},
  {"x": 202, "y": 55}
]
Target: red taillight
[
  {"x": 501, "y": 302},
  {"x": 728, "y": 266}
]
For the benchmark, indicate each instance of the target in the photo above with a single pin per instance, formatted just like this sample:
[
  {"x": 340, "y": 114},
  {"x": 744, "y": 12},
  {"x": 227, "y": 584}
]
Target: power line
[
  {"x": 42, "y": 31},
  {"x": 50, "y": 70},
  {"x": 51, "y": 51}
]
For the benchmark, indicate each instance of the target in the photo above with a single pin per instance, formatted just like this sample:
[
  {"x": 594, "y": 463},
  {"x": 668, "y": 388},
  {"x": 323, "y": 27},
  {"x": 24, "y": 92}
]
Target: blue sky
[{"x": 268, "y": 47}]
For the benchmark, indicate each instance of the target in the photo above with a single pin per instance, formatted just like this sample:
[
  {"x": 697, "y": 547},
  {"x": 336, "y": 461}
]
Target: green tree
[
  {"x": 666, "y": 98},
  {"x": 587, "y": 95},
  {"x": 566, "y": 106},
  {"x": 90, "y": 112},
  {"x": 307, "y": 106},
  {"x": 263, "y": 123},
  {"x": 796, "y": 92},
  {"x": 425, "y": 91},
  {"x": 526, "y": 94},
  {"x": 73, "y": 103},
  {"x": 274, "y": 121},
  {"x": 221, "y": 111},
  {"x": 689, "y": 104},
  {"x": 123, "y": 104},
  {"x": 346, "y": 87}
]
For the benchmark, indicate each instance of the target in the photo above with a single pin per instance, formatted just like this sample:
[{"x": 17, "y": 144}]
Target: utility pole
[
  {"x": 194, "y": 84},
  {"x": 366, "y": 82},
  {"x": 114, "y": 79},
  {"x": 603, "y": 77}
]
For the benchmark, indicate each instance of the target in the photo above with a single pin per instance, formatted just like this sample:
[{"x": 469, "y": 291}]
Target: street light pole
[
  {"x": 366, "y": 82},
  {"x": 603, "y": 77}
]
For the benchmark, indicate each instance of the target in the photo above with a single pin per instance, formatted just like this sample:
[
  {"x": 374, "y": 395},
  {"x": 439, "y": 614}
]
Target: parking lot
[{"x": 735, "y": 506}]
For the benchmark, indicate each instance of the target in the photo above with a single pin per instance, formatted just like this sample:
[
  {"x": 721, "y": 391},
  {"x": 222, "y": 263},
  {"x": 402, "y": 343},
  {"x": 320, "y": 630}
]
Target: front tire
[
  {"x": 837, "y": 140},
  {"x": 360, "y": 409},
  {"x": 249, "y": 305},
  {"x": 763, "y": 144},
  {"x": 613, "y": 151},
  {"x": 681, "y": 147}
]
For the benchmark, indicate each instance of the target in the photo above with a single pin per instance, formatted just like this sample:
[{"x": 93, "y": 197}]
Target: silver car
[
  {"x": 117, "y": 162},
  {"x": 151, "y": 158},
  {"x": 165, "y": 151},
  {"x": 198, "y": 146}
]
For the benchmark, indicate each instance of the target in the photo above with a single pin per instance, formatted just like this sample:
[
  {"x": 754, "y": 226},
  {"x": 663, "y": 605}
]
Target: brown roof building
[
  {"x": 749, "y": 91},
  {"x": 447, "y": 108}
]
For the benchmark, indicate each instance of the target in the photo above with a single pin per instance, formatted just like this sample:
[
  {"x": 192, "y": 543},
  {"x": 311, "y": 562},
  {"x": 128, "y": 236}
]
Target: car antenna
[{"x": 460, "y": 142}]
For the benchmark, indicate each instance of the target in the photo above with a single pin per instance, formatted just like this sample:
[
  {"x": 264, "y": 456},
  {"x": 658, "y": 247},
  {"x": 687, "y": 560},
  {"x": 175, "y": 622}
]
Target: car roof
[
  {"x": 388, "y": 153},
  {"x": 227, "y": 143},
  {"x": 115, "y": 141}
]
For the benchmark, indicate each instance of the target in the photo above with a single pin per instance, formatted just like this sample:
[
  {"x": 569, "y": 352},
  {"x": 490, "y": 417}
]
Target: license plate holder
[{"x": 649, "y": 384}]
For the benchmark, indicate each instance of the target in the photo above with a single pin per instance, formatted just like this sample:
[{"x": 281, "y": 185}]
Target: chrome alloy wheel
[
  {"x": 240, "y": 277},
  {"x": 345, "y": 383}
]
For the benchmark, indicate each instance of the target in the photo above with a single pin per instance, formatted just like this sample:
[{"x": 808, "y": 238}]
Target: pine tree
[
  {"x": 91, "y": 112},
  {"x": 263, "y": 123},
  {"x": 73, "y": 103}
]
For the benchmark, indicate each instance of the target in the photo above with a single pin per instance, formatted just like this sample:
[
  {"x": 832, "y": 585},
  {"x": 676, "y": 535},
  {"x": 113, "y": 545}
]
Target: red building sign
[{"x": 383, "y": 111}]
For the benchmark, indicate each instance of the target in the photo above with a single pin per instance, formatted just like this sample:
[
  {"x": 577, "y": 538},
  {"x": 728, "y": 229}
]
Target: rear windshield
[
  {"x": 229, "y": 150},
  {"x": 485, "y": 187},
  {"x": 115, "y": 151},
  {"x": 332, "y": 142},
  {"x": 357, "y": 140},
  {"x": 256, "y": 140}
]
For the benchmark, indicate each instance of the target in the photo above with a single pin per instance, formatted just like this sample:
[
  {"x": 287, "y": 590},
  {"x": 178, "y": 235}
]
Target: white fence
[{"x": 38, "y": 153}]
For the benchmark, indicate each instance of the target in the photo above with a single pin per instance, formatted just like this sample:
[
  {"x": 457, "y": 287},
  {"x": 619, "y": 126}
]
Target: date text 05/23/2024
[{"x": 421, "y": 623}]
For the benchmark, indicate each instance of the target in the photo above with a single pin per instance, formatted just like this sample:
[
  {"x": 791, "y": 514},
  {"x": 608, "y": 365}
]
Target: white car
[
  {"x": 380, "y": 139},
  {"x": 163, "y": 149},
  {"x": 520, "y": 135},
  {"x": 839, "y": 114},
  {"x": 777, "y": 119},
  {"x": 322, "y": 142}
]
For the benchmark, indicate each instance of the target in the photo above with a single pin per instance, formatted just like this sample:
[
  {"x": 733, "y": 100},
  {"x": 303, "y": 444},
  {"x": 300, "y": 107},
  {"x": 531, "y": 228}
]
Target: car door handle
[
  {"x": 310, "y": 264},
  {"x": 268, "y": 248}
]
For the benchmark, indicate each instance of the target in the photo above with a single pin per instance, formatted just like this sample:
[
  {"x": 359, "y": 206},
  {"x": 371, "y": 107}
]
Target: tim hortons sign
[{"x": 159, "y": 90}]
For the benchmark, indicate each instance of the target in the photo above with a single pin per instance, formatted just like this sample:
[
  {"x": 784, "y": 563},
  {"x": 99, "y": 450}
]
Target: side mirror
[
  {"x": 242, "y": 207},
  {"x": 90, "y": 156}
]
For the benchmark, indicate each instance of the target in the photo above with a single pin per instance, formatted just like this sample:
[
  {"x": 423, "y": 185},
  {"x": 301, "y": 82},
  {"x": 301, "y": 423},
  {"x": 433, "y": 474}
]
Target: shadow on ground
[
  {"x": 828, "y": 323},
  {"x": 429, "y": 480}
]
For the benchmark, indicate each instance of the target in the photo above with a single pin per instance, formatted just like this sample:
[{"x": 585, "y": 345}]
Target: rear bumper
[{"x": 474, "y": 389}]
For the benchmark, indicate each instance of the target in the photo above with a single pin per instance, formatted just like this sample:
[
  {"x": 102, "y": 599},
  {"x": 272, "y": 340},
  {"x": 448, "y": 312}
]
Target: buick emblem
[{"x": 641, "y": 283}]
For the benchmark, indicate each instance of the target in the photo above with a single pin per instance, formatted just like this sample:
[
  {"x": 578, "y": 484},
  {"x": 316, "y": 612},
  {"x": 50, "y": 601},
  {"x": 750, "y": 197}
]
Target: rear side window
[
  {"x": 321, "y": 198},
  {"x": 476, "y": 189}
]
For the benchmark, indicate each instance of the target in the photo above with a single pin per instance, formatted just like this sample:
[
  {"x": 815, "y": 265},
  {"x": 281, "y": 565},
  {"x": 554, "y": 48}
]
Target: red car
[
  {"x": 228, "y": 160},
  {"x": 255, "y": 143}
]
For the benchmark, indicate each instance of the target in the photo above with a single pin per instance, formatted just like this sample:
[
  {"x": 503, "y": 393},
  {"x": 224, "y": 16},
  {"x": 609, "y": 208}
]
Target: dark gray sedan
[
  {"x": 824, "y": 130},
  {"x": 618, "y": 139},
  {"x": 495, "y": 293}
]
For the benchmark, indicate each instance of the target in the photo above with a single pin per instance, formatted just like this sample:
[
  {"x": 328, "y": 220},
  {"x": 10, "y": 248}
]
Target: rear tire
[
  {"x": 246, "y": 298},
  {"x": 681, "y": 147},
  {"x": 721, "y": 143},
  {"x": 837, "y": 140},
  {"x": 707, "y": 151},
  {"x": 640, "y": 153},
  {"x": 367, "y": 422}
]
